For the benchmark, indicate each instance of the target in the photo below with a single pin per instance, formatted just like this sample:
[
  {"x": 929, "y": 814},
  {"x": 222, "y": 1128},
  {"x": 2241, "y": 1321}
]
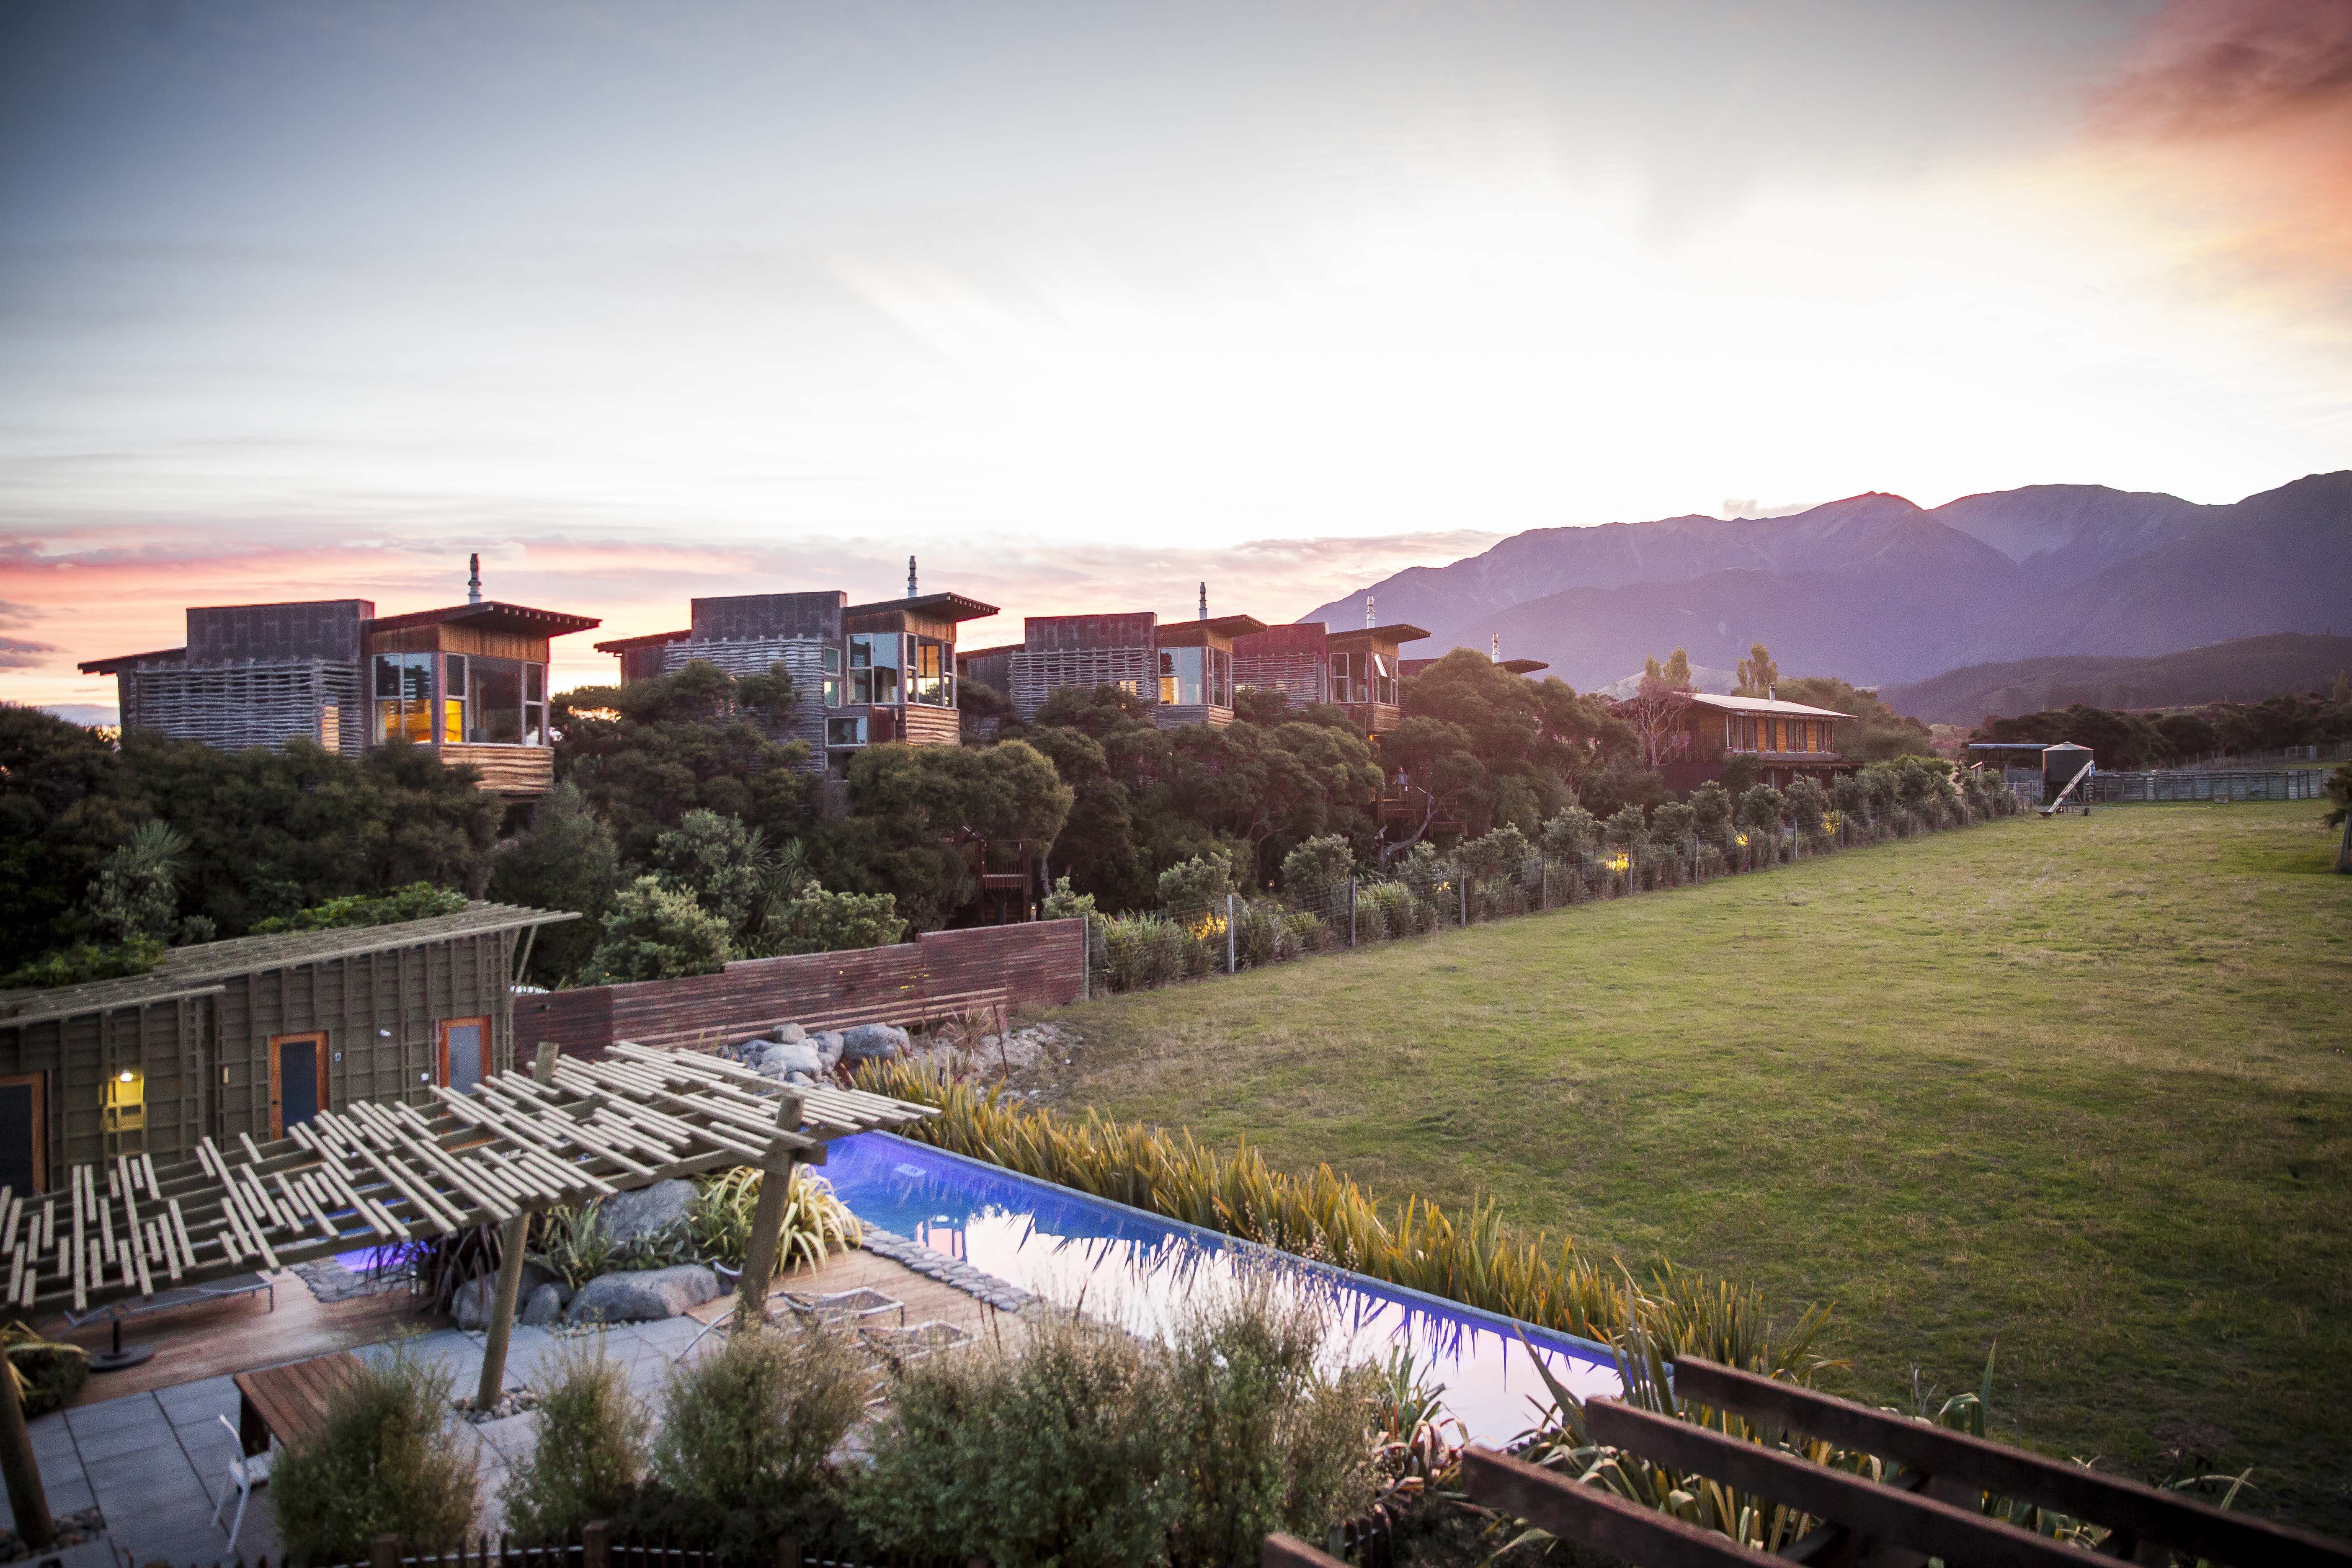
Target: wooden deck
[{"x": 219, "y": 1338}]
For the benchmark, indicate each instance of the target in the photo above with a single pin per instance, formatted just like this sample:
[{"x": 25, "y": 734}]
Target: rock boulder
[
  {"x": 641, "y": 1295},
  {"x": 873, "y": 1042},
  {"x": 630, "y": 1217},
  {"x": 544, "y": 1307},
  {"x": 799, "y": 1056}
]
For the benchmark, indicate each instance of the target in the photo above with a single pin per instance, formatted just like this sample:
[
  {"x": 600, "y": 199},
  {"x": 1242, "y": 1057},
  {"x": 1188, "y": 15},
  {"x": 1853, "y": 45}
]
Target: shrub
[
  {"x": 655, "y": 932},
  {"x": 1264, "y": 1441},
  {"x": 1055, "y": 1455},
  {"x": 1761, "y": 808},
  {"x": 1851, "y": 798},
  {"x": 1711, "y": 809},
  {"x": 1571, "y": 833},
  {"x": 1142, "y": 951},
  {"x": 591, "y": 1452},
  {"x": 82, "y": 962},
  {"x": 754, "y": 1424},
  {"x": 571, "y": 1244},
  {"x": 1197, "y": 884},
  {"x": 1808, "y": 801},
  {"x": 813, "y": 918},
  {"x": 49, "y": 1374},
  {"x": 1673, "y": 823},
  {"x": 1064, "y": 903},
  {"x": 816, "y": 1225},
  {"x": 1310, "y": 871},
  {"x": 1399, "y": 913},
  {"x": 1497, "y": 855},
  {"x": 387, "y": 1462},
  {"x": 1626, "y": 829}
]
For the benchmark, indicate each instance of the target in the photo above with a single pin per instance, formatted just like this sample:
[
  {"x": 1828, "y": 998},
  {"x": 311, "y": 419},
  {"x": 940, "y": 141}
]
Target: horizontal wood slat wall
[{"x": 938, "y": 974}]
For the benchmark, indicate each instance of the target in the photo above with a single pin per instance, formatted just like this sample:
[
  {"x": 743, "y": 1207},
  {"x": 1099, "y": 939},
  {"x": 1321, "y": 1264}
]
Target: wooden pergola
[{"x": 372, "y": 1174}]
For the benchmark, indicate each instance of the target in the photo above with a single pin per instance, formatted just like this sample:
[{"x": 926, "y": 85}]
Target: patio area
[{"x": 156, "y": 1457}]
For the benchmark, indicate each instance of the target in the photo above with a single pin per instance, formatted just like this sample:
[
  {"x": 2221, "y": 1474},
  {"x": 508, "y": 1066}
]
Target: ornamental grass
[{"x": 1468, "y": 1257}]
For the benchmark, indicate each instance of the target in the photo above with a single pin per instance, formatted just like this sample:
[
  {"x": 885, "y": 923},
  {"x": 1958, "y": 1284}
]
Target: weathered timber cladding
[
  {"x": 939, "y": 974},
  {"x": 456, "y": 636},
  {"x": 240, "y": 634},
  {"x": 504, "y": 770},
  {"x": 926, "y": 726},
  {"x": 749, "y": 616}
]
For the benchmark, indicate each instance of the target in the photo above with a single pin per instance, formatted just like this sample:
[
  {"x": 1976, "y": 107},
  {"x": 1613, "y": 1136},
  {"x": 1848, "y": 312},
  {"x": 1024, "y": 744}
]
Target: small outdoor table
[{"x": 290, "y": 1403}]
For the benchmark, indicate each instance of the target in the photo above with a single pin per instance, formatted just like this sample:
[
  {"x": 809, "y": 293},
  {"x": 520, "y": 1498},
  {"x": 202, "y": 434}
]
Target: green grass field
[{"x": 2078, "y": 1086}]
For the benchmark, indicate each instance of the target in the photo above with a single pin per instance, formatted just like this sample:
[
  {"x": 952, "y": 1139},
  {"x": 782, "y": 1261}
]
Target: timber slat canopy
[{"x": 375, "y": 1173}]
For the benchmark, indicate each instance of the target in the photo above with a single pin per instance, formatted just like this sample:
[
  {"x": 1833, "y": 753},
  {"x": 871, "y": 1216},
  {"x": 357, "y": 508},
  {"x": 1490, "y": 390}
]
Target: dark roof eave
[
  {"x": 553, "y": 623},
  {"x": 940, "y": 607},
  {"x": 650, "y": 639},
  {"x": 123, "y": 661}
]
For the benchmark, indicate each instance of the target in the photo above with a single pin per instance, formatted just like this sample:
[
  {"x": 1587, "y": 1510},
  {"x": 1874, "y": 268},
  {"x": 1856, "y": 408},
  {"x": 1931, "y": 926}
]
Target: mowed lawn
[{"x": 2077, "y": 1086}]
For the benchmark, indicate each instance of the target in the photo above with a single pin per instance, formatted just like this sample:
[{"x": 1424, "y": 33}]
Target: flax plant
[{"x": 1468, "y": 1256}]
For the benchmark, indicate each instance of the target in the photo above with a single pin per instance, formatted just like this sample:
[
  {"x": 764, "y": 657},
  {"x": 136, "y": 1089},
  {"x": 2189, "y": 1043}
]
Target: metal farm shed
[{"x": 254, "y": 1035}]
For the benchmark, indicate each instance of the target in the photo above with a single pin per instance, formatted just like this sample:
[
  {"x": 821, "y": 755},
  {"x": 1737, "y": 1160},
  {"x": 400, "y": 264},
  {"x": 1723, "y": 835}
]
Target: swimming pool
[{"x": 1140, "y": 1268}]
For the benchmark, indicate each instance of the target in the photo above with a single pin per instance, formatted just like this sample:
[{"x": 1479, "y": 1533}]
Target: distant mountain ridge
[
  {"x": 1879, "y": 590},
  {"x": 2244, "y": 671}
]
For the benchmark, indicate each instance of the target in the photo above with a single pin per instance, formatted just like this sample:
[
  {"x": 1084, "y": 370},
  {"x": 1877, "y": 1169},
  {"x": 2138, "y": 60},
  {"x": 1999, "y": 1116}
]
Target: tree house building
[
  {"x": 1788, "y": 740},
  {"x": 1359, "y": 669},
  {"x": 469, "y": 681},
  {"x": 865, "y": 674},
  {"x": 1183, "y": 669},
  {"x": 254, "y": 1037}
]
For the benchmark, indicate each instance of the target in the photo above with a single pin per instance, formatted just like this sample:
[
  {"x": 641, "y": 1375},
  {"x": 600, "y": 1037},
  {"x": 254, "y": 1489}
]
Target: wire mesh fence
[{"x": 1224, "y": 933}]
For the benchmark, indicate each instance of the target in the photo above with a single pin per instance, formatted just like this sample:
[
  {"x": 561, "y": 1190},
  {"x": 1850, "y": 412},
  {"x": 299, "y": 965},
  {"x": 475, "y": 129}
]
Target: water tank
[{"x": 2060, "y": 764}]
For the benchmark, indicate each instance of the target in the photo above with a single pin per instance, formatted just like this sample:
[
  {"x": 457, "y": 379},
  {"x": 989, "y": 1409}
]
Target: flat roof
[
  {"x": 198, "y": 969},
  {"x": 1765, "y": 705},
  {"x": 1396, "y": 632},
  {"x": 493, "y": 615},
  {"x": 940, "y": 607},
  {"x": 123, "y": 661},
  {"x": 621, "y": 644},
  {"x": 1524, "y": 665}
]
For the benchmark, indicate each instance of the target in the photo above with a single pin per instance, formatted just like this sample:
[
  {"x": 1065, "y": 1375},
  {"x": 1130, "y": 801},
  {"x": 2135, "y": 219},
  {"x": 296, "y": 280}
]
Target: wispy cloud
[
  {"x": 16, "y": 653},
  {"x": 2212, "y": 68}
]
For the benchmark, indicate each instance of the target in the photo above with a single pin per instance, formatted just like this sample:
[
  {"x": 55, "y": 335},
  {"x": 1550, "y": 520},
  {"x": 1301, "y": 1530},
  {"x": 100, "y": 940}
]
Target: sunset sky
[{"x": 1083, "y": 304}]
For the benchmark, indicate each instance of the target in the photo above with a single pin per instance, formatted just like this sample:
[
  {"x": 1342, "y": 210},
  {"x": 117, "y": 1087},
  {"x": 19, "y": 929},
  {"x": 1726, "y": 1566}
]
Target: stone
[
  {"x": 798, "y": 1057},
  {"x": 545, "y": 1307},
  {"x": 828, "y": 1043},
  {"x": 873, "y": 1042},
  {"x": 641, "y": 1295},
  {"x": 790, "y": 1034},
  {"x": 627, "y": 1217},
  {"x": 471, "y": 1305},
  {"x": 800, "y": 1080}
]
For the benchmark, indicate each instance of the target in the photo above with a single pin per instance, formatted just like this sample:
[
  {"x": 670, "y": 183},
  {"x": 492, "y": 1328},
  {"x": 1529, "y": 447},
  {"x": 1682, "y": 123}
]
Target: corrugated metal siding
[
  {"x": 320, "y": 628},
  {"x": 1041, "y": 962},
  {"x": 1043, "y": 634}
]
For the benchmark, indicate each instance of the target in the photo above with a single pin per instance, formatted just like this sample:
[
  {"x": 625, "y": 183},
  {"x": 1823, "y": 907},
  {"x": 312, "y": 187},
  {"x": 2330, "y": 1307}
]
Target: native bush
[
  {"x": 1495, "y": 855},
  {"x": 753, "y": 1423},
  {"x": 1850, "y": 795},
  {"x": 1312, "y": 869},
  {"x": 591, "y": 1452},
  {"x": 387, "y": 1462},
  {"x": 1625, "y": 829},
  {"x": 655, "y": 932},
  {"x": 1390, "y": 910},
  {"x": 417, "y": 902},
  {"x": 1673, "y": 823},
  {"x": 1571, "y": 832},
  {"x": 1142, "y": 950},
  {"x": 1197, "y": 884},
  {"x": 1054, "y": 1452},
  {"x": 1807, "y": 803},
  {"x": 1063, "y": 903},
  {"x": 815, "y": 1222},
  {"x": 1761, "y": 809}
]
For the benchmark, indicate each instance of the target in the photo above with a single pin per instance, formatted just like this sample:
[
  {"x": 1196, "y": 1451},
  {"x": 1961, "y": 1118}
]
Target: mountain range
[
  {"x": 2246, "y": 669},
  {"x": 1879, "y": 590}
]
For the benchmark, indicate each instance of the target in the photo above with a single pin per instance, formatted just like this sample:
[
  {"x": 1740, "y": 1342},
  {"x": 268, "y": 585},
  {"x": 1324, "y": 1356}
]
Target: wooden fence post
[
  {"x": 513, "y": 1239},
  {"x": 596, "y": 1544},
  {"x": 760, "y": 1250},
  {"x": 1351, "y": 898},
  {"x": 384, "y": 1551},
  {"x": 25, "y": 1497},
  {"x": 788, "y": 1552},
  {"x": 2344, "y": 851}
]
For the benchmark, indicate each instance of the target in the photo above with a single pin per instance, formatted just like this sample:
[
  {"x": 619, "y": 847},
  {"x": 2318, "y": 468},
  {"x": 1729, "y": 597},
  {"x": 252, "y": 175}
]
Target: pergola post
[
  {"x": 512, "y": 1238},
  {"x": 26, "y": 1495},
  {"x": 775, "y": 1189}
]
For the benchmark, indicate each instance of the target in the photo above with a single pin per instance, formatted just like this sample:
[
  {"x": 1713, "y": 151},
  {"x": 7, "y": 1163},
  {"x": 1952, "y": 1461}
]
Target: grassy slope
[{"x": 2077, "y": 1086}]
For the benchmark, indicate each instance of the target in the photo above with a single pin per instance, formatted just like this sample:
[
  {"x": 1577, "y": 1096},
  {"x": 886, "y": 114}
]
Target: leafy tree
[
  {"x": 1269, "y": 787},
  {"x": 2187, "y": 735},
  {"x": 1435, "y": 773},
  {"x": 1807, "y": 801},
  {"x": 1318, "y": 865},
  {"x": 1761, "y": 809},
  {"x": 1850, "y": 794},
  {"x": 1199, "y": 883},
  {"x": 1625, "y": 781},
  {"x": 1756, "y": 673},
  {"x": 812, "y": 920},
  {"x": 417, "y": 902},
  {"x": 566, "y": 859},
  {"x": 2339, "y": 791},
  {"x": 722, "y": 865},
  {"x": 1491, "y": 857},
  {"x": 1672, "y": 823},
  {"x": 1097, "y": 847},
  {"x": 656, "y": 933},
  {"x": 1740, "y": 774},
  {"x": 646, "y": 754},
  {"x": 1571, "y": 832},
  {"x": 1711, "y": 810},
  {"x": 917, "y": 810},
  {"x": 2115, "y": 739},
  {"x": 62, "y": 812},
  {"x": 977, "y": 702},
  {"x": 1625, "y": 828}
]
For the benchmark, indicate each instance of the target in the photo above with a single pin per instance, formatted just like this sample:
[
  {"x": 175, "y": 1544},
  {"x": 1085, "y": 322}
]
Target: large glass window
[
  {"x": 845, "y": 731},
  {"x": 1343, "y": 678},
  {"x": 453, "y": 698},
  {"x": 1181, "y": 673},
  {"x": 930, "y": 672},
  {"x": 534, "y": 705},
  {"x": 494, "y": 703},
  {"x": 1221, "y": 678},
  {"x": 874, "y": 667},
  {"x": 1384, "y": 681},
  {"x": 403, "y": 697}
]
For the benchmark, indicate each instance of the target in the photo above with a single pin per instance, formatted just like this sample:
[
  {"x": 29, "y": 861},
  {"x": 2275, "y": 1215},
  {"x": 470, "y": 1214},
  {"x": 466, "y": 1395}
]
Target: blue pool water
[{"x": 1136, "y": 1266}]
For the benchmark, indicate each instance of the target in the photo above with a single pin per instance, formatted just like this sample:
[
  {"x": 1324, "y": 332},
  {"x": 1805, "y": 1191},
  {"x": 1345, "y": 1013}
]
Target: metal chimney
[
  {"x": 1368, "y": 602},
  {"x": 1495, "y": 648},
  {"x": 1204, "y": 601},
  {"x": 474, "y": 582},
  {"x": 910, "y": 576}
]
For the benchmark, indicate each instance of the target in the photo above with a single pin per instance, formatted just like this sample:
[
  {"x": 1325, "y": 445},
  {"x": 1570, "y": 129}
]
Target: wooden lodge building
[
  {"x": 877, "y": 672},
  {"x": 469, "y": 681},
  {"x": 1183, "y": 669},
  {"x": 1787, "y": 741},
  {"x": 254, "y": 1035},
  {"x": 1359, "y": 669}
]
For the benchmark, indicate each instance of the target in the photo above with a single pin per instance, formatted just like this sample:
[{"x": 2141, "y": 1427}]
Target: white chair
[{"x": 245, "y": 1472}]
